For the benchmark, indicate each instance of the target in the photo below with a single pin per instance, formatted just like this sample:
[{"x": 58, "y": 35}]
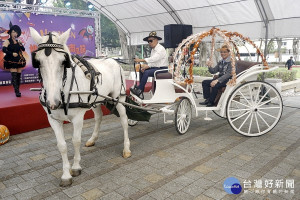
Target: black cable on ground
[{"x": 291, "y": 107}]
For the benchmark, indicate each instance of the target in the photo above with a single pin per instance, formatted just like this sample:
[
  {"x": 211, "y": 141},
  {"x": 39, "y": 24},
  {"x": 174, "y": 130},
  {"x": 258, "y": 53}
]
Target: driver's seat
[{"x": 161, "y": 75}]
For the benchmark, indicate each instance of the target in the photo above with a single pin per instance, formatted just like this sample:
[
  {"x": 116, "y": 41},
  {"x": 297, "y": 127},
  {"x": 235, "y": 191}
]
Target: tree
[
  {"x": 270, "y": 47},
  {"x": 109, "y": 33},
  {"x": 128, "y": 52},
  {"x": 279, "y": 44},
  {"x": 296, "y": 48}
]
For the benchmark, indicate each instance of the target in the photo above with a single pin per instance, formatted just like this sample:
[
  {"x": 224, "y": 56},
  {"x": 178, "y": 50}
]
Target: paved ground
[{"x": 164, "y": 165}]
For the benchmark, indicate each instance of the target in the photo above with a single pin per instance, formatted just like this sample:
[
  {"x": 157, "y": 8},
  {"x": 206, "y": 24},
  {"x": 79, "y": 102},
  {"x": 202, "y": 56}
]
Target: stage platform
[{"x": 26, "y": 113}]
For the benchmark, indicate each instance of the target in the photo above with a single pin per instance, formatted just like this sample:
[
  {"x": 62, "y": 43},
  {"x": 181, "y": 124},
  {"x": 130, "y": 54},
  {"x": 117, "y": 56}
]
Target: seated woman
[{"x": 211, "y": 87}]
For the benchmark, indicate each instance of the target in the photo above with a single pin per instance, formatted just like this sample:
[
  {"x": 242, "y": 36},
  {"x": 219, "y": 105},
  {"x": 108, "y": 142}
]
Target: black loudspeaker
[{"x": 175, "y": 33}]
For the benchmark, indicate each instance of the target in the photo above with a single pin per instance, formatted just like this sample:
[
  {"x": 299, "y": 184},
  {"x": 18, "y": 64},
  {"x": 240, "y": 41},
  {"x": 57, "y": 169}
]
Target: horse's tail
[{"x": 123, "y": 80}]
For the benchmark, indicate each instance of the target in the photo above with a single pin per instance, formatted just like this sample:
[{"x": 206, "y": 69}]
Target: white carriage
[{"x": 251, "y": 107}]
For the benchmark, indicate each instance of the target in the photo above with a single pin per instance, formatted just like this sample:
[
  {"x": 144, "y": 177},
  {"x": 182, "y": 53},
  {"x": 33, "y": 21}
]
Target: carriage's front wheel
[
  {"x": 259, "y": 108},
  {"x": 183, "y": 116},
  {"x": 132, "y": 122}
]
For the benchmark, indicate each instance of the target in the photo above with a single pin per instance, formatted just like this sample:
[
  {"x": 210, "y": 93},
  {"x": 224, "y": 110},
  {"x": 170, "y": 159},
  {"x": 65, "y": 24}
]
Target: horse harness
[{"x": 48, "y": 46}]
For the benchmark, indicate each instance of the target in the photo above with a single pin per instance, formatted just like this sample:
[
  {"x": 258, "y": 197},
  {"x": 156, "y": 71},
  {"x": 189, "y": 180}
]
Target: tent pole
[{"x": 266, "y": 40}]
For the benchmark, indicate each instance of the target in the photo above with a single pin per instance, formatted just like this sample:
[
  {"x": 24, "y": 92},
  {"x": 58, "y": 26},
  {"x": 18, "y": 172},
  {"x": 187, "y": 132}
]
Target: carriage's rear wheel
[
  {"x": 183, "y": 116},
  {"x": 254, "y": 108}
]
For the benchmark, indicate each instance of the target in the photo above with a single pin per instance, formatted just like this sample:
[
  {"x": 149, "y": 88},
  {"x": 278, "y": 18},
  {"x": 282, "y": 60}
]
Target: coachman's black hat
[{"x": 152, "y": 34}]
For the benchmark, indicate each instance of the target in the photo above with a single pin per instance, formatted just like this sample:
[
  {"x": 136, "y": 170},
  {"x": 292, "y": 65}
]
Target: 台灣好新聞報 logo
[{"x": 232, "y": 186}]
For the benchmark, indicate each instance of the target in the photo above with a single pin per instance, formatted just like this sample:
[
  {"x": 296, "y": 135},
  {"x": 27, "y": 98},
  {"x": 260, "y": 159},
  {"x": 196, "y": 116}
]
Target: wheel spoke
[
  {"x": 244, "y": 97},
  {"x": 257, "y": 95},
  {"x": 179, "y": 126},
  {"x": 269, "y": 108},
  {"x": 244, "y": 121},
  {"x": 240, "y": 103},
  {"x": 250, "y": 125},
  {"x": 267, "y": 101},
  {"x": 267, "y": 114},
  {"x": 245, "y": 109},
  {"x": 184, "y": 123},
  {"x": 257, "y": 122},
  {"x": 241, "y": 116},
  {"x": 263, "y": 119},
  {"x": 264, "y": 96},
  {"x": 179, "y": 119},
  {"x": 250, "y": 94}
]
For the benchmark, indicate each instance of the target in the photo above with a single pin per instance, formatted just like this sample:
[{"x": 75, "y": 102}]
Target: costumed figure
[{"x": 14, "y": 60}]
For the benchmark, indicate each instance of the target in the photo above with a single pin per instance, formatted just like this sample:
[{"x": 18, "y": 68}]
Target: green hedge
[
  {"x": 201, "y": 71},
  {"x": 281, "y": 73}
]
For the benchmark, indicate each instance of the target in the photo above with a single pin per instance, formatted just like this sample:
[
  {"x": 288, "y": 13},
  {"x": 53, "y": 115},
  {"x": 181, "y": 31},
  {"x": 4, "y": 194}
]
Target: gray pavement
[{"x": 164, "y": 165}]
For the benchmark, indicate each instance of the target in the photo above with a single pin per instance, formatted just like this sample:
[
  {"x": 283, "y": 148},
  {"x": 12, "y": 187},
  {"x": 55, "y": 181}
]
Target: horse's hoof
[
  {"x": 65, "y": 182},
  {"x": 89, "y": 144},
  {"x": 126, "y": 154},
  {"x": 76, "y": 172}
]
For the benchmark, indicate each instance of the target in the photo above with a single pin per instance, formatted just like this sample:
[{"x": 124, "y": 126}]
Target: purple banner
[{"x": 81, "y": 40}]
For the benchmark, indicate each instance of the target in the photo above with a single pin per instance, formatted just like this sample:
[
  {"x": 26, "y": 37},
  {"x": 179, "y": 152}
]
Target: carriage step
[
  {"x": 169, "y": 121},
  {"x": 35, "y": 89},
  {"x": 207, "y": 118}
]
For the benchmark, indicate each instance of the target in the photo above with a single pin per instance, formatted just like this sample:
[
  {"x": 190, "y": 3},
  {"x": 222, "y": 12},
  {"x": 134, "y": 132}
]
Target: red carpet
[{"x": 26, "y": 113}]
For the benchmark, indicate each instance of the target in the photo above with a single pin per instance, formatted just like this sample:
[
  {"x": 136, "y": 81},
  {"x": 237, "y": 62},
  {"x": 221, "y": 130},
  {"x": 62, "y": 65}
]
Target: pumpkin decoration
[{"x": 4, "y": 134}]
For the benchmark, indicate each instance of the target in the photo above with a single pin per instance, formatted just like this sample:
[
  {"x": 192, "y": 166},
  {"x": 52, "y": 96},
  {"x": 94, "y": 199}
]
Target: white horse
[{"x": 52, "y": 69}]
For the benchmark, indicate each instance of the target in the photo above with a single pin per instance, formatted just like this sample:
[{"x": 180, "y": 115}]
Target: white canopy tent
[{"x": 253, "y": 18}]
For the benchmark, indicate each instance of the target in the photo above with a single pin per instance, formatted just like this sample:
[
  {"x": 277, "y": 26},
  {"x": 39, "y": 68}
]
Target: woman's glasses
[{"x": 150, "y": 41}]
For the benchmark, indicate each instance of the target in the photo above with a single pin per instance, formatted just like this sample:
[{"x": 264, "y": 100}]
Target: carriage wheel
[
  {"x": 132, "y": 122},
  {"x": 259, "y": 108},
  {"x": 183, "y": 116}
]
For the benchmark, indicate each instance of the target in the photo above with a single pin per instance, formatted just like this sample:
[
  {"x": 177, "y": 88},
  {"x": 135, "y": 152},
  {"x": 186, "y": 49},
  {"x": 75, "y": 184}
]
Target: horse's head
[{"x": 52, "y": 58}]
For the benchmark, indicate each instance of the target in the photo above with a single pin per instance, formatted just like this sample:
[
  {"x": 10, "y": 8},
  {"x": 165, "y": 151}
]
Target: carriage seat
[
  {"x": 241, "y": 66},
  {"x": 160, "y": 75},
  {"x": 166, "y": 75}
]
